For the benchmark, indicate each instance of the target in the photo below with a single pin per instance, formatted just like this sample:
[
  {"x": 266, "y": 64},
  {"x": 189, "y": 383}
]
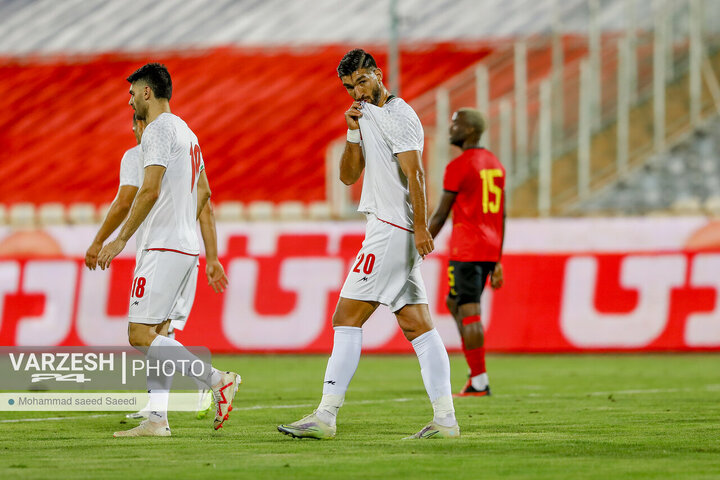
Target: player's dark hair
[
  {"x": 156, "y": 76},
  {"x": 355, "y": 60}
]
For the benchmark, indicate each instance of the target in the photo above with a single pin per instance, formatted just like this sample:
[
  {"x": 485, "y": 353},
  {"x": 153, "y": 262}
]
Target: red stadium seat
[{"x": 264, "y": 118}]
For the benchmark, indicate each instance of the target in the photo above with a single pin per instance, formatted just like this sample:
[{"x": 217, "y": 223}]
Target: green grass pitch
[{"x": 550, "y": 417}]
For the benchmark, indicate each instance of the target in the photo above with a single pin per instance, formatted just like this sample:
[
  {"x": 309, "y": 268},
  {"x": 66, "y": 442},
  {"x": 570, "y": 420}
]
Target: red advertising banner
[{"x": 284, "y": 283}]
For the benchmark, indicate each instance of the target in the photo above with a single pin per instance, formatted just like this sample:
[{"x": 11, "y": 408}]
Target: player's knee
[
  {"x": 451, "y": 304},
  {"x": 414, "y": 330},
  {"x": 414, "y": 323},
  {"x": 138, "y": 336},
  {"x": 134, "y": 338},
  {"x": 473, "y": 332},
  {"x": 340, "y": 320},
  {"x": 469, "y": 308},
  {"x": 474, "y": 340}
]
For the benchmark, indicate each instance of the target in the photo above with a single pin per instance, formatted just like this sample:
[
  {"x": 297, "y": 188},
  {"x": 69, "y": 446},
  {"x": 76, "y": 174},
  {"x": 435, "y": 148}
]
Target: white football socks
[
  {"x": 159, "y": 392},
  {"x": 435, "y": 371},
  {"x": 182, "y": 357},
  {"x": 343, "y": 362},
  {"x": 480, "y": 382}
]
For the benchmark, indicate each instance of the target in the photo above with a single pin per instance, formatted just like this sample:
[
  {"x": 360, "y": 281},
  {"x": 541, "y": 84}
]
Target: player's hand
[
  {"x": 216, "y": 275},
  {"x": 110, "y": 251},
  {"x": 424, "y": 241},
  {"x": 497, "y": 280},
  {"x": 352, "y": 116},
  {"x": 92, "y": 254}
]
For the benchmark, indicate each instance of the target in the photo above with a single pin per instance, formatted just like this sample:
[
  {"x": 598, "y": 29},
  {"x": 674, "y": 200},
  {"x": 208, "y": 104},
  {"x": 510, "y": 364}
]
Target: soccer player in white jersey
[
  {"x": 385, "y": 138},
  {"x": 174, "y": 191},
  {"x": 131, "y": 177}
]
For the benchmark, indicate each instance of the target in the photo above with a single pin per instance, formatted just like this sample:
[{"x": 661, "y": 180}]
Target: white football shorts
[
  {"x": 387, "y": 268},
  {"x": 163, "y": 287}
]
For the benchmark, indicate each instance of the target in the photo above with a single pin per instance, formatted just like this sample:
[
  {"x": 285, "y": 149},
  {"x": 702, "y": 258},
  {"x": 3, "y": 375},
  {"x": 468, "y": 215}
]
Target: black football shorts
[{"x": 467, "y": 280}]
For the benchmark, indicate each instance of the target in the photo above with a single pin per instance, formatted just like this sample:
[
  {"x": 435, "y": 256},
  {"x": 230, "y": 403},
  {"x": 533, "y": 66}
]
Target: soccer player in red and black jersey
[{"x": 474, "y": 190}]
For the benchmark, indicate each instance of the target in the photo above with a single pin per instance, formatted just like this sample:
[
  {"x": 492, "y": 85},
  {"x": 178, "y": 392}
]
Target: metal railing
[{"x": 552, "y": 97}]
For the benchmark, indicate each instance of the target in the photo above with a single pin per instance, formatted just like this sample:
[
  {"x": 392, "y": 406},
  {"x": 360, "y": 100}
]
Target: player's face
[
  {"x": 138, "y": 98},
  {"x": 458, "y": 130},
  {"x": 138, "y": 129},
  {"x": 363, "y": 85}
]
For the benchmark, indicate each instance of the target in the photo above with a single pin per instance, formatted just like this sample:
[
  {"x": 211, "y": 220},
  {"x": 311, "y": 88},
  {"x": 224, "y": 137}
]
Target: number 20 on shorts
[{"x": 367, "y": 267}]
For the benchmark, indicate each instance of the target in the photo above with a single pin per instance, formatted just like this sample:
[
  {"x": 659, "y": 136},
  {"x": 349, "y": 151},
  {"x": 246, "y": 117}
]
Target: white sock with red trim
[
  {"x": 435, "y": 371},
  {"x": 343, "y": 362}
]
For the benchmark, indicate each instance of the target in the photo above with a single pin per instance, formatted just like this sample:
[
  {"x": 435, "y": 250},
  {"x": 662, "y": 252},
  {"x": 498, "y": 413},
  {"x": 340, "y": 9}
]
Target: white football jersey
[
  {"x": 171, "y": 224},
  {"x": 131, "y": 167},
  {"x": 132, "y": 174},
  {"x": 387, "y": 131}
]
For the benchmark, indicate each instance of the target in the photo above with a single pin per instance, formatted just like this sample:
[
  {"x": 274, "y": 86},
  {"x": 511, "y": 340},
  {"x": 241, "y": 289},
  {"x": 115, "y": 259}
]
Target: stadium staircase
[{"x": 603, "y": 148}]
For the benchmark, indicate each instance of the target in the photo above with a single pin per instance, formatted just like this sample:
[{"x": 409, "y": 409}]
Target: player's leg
[
  {"x": 158, "y": 385},
  {"x": 156, "y": 422},
  {"x": 470, "y": 279},
  {"x": 348, "y": 319},
  {"x": 165, "y": 275},
  {"x": 179, "y": 317},
  {"x": 416, "y": 324},
  {"x": 362, "y": 292}
]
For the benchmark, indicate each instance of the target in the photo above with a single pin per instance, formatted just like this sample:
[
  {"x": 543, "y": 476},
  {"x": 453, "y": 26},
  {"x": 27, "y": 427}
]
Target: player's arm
[
  {"x": 497, "y": 278},
  {"x": 411, "y": 165},
  {"x": 213, "y": 268},
  {"x": 352, "y": 162},
  {"x": 116, "y": 214},
  {"x": 441, "y": 212},
  {"x": 203, "y": 194},
  {"x": 144, "y": 201}
]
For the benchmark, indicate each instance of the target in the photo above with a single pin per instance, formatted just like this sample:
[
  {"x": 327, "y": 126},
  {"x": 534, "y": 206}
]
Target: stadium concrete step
[{"x": 603, "y": 151}]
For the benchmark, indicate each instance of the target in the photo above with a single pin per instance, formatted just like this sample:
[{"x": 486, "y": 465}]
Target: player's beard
[
  {"x": 376, "y": 94},
  {"x": 457, "y": 142}
]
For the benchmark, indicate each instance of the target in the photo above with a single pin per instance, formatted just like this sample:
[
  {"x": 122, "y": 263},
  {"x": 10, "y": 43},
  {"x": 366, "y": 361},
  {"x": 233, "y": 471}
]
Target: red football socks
[{"x": 475, "y": 357}]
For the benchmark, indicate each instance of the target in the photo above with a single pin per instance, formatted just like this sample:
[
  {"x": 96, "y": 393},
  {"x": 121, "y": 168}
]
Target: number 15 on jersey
[{"x": 489, "y": 186}]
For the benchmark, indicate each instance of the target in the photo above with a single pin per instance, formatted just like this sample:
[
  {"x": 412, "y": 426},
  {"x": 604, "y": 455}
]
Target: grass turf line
[{"x": 551, "y": 417}]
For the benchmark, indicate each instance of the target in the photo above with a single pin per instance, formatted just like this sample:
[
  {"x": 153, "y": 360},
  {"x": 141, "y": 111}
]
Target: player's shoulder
[
  {"x": 399, "y": 107},
  {"x": 479, "y": 154},
  {"x": 165, "y": 122},
  {"x": 132, "y": 154},
  {"x": 490, "y": 158}
]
